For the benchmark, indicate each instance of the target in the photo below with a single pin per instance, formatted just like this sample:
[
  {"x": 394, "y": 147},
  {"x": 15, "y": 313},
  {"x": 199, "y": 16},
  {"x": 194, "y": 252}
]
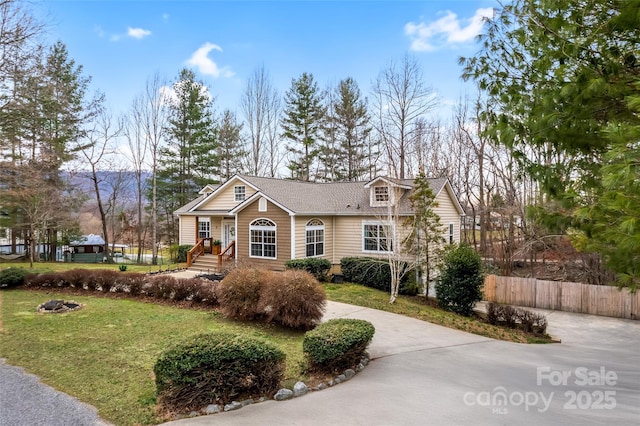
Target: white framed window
[
  {"x": 381, "y": 194},
  {"x": 239, "y": 193},
  {"x": 451, "y": 233},
  {"x": 204, "y": 227},
  {"x": 262, "y": 233},
  {"x": 315, "y": 238},
  {"x": 377, "y": 237}
]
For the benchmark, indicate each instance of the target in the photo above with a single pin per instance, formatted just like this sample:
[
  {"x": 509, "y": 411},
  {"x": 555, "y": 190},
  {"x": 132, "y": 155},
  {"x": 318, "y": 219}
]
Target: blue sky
[{"x": 122, "y": 43}]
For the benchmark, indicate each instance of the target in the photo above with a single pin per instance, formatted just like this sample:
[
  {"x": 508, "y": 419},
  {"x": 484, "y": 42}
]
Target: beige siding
[
  {"x": 283, "y": 236},
  {"x": 448, "y": 214},
  {"x": 187, "y": 230},
  {"x": 301, "y": 236},
  {"x": 224, "y": 200},
  {"x": 189, "y": 227}
]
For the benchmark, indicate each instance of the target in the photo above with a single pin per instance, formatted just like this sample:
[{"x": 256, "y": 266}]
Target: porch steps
[{"x": 207, "y": 263}]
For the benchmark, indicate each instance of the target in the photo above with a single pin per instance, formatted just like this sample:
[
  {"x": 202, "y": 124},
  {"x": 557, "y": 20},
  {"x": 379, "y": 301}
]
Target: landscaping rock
[
  {"x": 233, "y": 406},
  {"x": 283, "y": 394},
  {"x": 300, "y": 389},
  {"x": 349, "y": 373},
  {"x": 212, "y": 409},
  {"x": 321, "y": 386},
  {"x": 342, "y": 378},
  {"x": 246, "y": 402}
]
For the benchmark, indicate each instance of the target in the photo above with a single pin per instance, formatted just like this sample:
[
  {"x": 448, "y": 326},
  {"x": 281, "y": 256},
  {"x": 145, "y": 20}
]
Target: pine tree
[
  {"x": 189, "y": 159},
  {"x": 301, "y": 125},
  {"x": 425, "y": 240},
  {"x": 231, "y": 146}
]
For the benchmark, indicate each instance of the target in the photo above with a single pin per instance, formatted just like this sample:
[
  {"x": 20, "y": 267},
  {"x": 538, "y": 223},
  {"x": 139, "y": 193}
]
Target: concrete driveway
[{"x": 422, "y": 373}]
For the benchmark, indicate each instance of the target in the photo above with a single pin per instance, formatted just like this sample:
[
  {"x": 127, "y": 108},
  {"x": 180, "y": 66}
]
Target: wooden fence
[{"x": 563, "y": 296}]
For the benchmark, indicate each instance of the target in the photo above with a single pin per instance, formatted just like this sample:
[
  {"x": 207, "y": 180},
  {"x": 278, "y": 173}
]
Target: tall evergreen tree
[
  {"x": 302, "y": 125},
  {"x": 189, "y": 159},
  {"x": 231, "y": 146},
  {"x": 351, "y": 119},
  {"x": 44, "y": 121}
]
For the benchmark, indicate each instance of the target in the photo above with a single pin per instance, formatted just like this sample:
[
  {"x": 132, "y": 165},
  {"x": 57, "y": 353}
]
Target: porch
[{"x": 207, "y": 257}]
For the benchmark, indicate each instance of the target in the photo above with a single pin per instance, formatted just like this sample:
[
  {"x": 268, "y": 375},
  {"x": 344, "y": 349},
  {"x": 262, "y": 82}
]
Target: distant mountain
[{"x": 107, "y": 180}]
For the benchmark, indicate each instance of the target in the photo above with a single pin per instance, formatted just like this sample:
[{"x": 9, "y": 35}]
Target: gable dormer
[{"x": 384, "y": 191}]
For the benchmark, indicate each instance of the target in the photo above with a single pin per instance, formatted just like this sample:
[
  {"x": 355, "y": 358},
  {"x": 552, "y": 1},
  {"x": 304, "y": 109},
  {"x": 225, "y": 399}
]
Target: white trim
[
  {"x": 378, "y": 223},
  {"x": 315, "y": 228},
  {"x": 292, "y": 220},
  {"x": 273, "y": 228}
]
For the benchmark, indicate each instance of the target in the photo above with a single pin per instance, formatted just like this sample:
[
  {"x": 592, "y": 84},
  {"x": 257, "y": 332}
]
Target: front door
[{"x": 228, "y": 234}]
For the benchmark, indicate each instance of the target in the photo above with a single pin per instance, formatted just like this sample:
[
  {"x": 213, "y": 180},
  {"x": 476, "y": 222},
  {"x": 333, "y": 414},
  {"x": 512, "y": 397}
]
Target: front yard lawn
[{"x": 104, "y": 353}]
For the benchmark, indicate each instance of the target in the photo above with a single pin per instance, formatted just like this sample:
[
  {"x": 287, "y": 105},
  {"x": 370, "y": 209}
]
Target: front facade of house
[{"x": 274, "y": 220}]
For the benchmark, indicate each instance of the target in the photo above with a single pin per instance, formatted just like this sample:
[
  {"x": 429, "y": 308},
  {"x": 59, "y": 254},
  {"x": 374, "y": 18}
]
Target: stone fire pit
[{"x": 59, "y": 306}]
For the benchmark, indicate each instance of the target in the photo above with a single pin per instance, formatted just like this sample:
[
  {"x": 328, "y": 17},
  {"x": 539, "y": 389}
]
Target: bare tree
[
  {"x": 100, "y": 139},
  {"x": 154, "y": 119},
  {"x": 261, "y": 107},
  {"x": 401, "y": 98}
]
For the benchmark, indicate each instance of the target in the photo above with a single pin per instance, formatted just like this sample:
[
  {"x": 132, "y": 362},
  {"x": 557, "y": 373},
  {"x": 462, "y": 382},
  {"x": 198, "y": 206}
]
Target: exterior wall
[
  {"x": 283, "y": 236},
  {"x": 448, "y": 214},
  {"x": 225, "y": 200},
  {"x": 187, "y": 230},
  {"x": 301, "y": 236}
]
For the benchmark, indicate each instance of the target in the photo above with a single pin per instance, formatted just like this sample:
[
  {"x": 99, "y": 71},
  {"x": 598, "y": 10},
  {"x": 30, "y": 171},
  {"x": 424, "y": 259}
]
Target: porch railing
[
  {"x": 196, "y": 251},
  {"x": 227, "y": 254}
]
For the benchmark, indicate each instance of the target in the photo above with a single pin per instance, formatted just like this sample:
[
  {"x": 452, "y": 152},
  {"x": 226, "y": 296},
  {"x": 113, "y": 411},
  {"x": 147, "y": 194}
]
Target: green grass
[
  {"x": 417, "y": 307},
  {"x": 104, "y": 353},
  {"x": 41, "y": 267}
]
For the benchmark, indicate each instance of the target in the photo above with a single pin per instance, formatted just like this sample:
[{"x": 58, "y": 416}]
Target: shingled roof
[{"x": 335, "y": 198}]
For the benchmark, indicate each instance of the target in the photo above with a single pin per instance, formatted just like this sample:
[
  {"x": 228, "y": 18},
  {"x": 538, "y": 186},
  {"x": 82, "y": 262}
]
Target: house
[
  {"x": 267, "y": 221},
  {"x": 89, "y": 249}
]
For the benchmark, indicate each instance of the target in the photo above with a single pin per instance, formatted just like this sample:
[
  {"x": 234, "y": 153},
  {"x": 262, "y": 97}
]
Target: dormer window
[
  {"x": 381, "y": 194},
  {"x": 239, "y": 192}
]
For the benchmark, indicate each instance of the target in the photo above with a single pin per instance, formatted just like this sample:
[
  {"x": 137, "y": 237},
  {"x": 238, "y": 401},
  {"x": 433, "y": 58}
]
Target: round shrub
[
  {"x": 12, "y": 277},
  {"x": 460, "y": 285},
  {"x": 217, "y": 368},
  {"x": 293, "y": 298},
  {"x": 337, "y": 344},
  {"x": 239, "y": 294},
  {"x": 315, "y": 266}
]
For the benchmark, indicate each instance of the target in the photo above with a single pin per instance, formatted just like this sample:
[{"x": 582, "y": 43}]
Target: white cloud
[
  {"x": 205, "y": 65},
  {"x": 138, "y": 33},
  {"x": 446, "y": 31}
]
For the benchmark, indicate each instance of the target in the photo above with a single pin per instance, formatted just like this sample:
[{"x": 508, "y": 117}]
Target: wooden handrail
[
  {"x": 232, "y": 248},
  {"x": 195, "y": 251}
]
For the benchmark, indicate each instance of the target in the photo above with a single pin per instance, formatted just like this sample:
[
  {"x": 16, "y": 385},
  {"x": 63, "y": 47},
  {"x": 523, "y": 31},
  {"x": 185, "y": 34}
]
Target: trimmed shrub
[
  {"x": 76, "y": 278},
  {"x": 493, "y": 313},
  {"x": 160, "y": 286},
  {"x": 182, "y": 253},
  {"x": 239, "y": 294},
  {"x": 184, "y": 289},
  {"x": 315, "y": 266},
  {"x": 105, "y": 279},
  {"x": 205, "y": 292},
  {"x": 217, "y": 367},
  {"x": 459, "y": 286},
  {"x": 374, "y": 273},
  {"x": 49, "y": 279},
  {"x": 337, "y": 344},
  {"x": 293, "y": 298},
  {"x": 12, "y": 277}
]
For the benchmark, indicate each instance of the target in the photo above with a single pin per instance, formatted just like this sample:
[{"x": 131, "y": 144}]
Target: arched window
[
  {"x": 263, "y": 238},
  {"x": 315, "y": 237}
]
